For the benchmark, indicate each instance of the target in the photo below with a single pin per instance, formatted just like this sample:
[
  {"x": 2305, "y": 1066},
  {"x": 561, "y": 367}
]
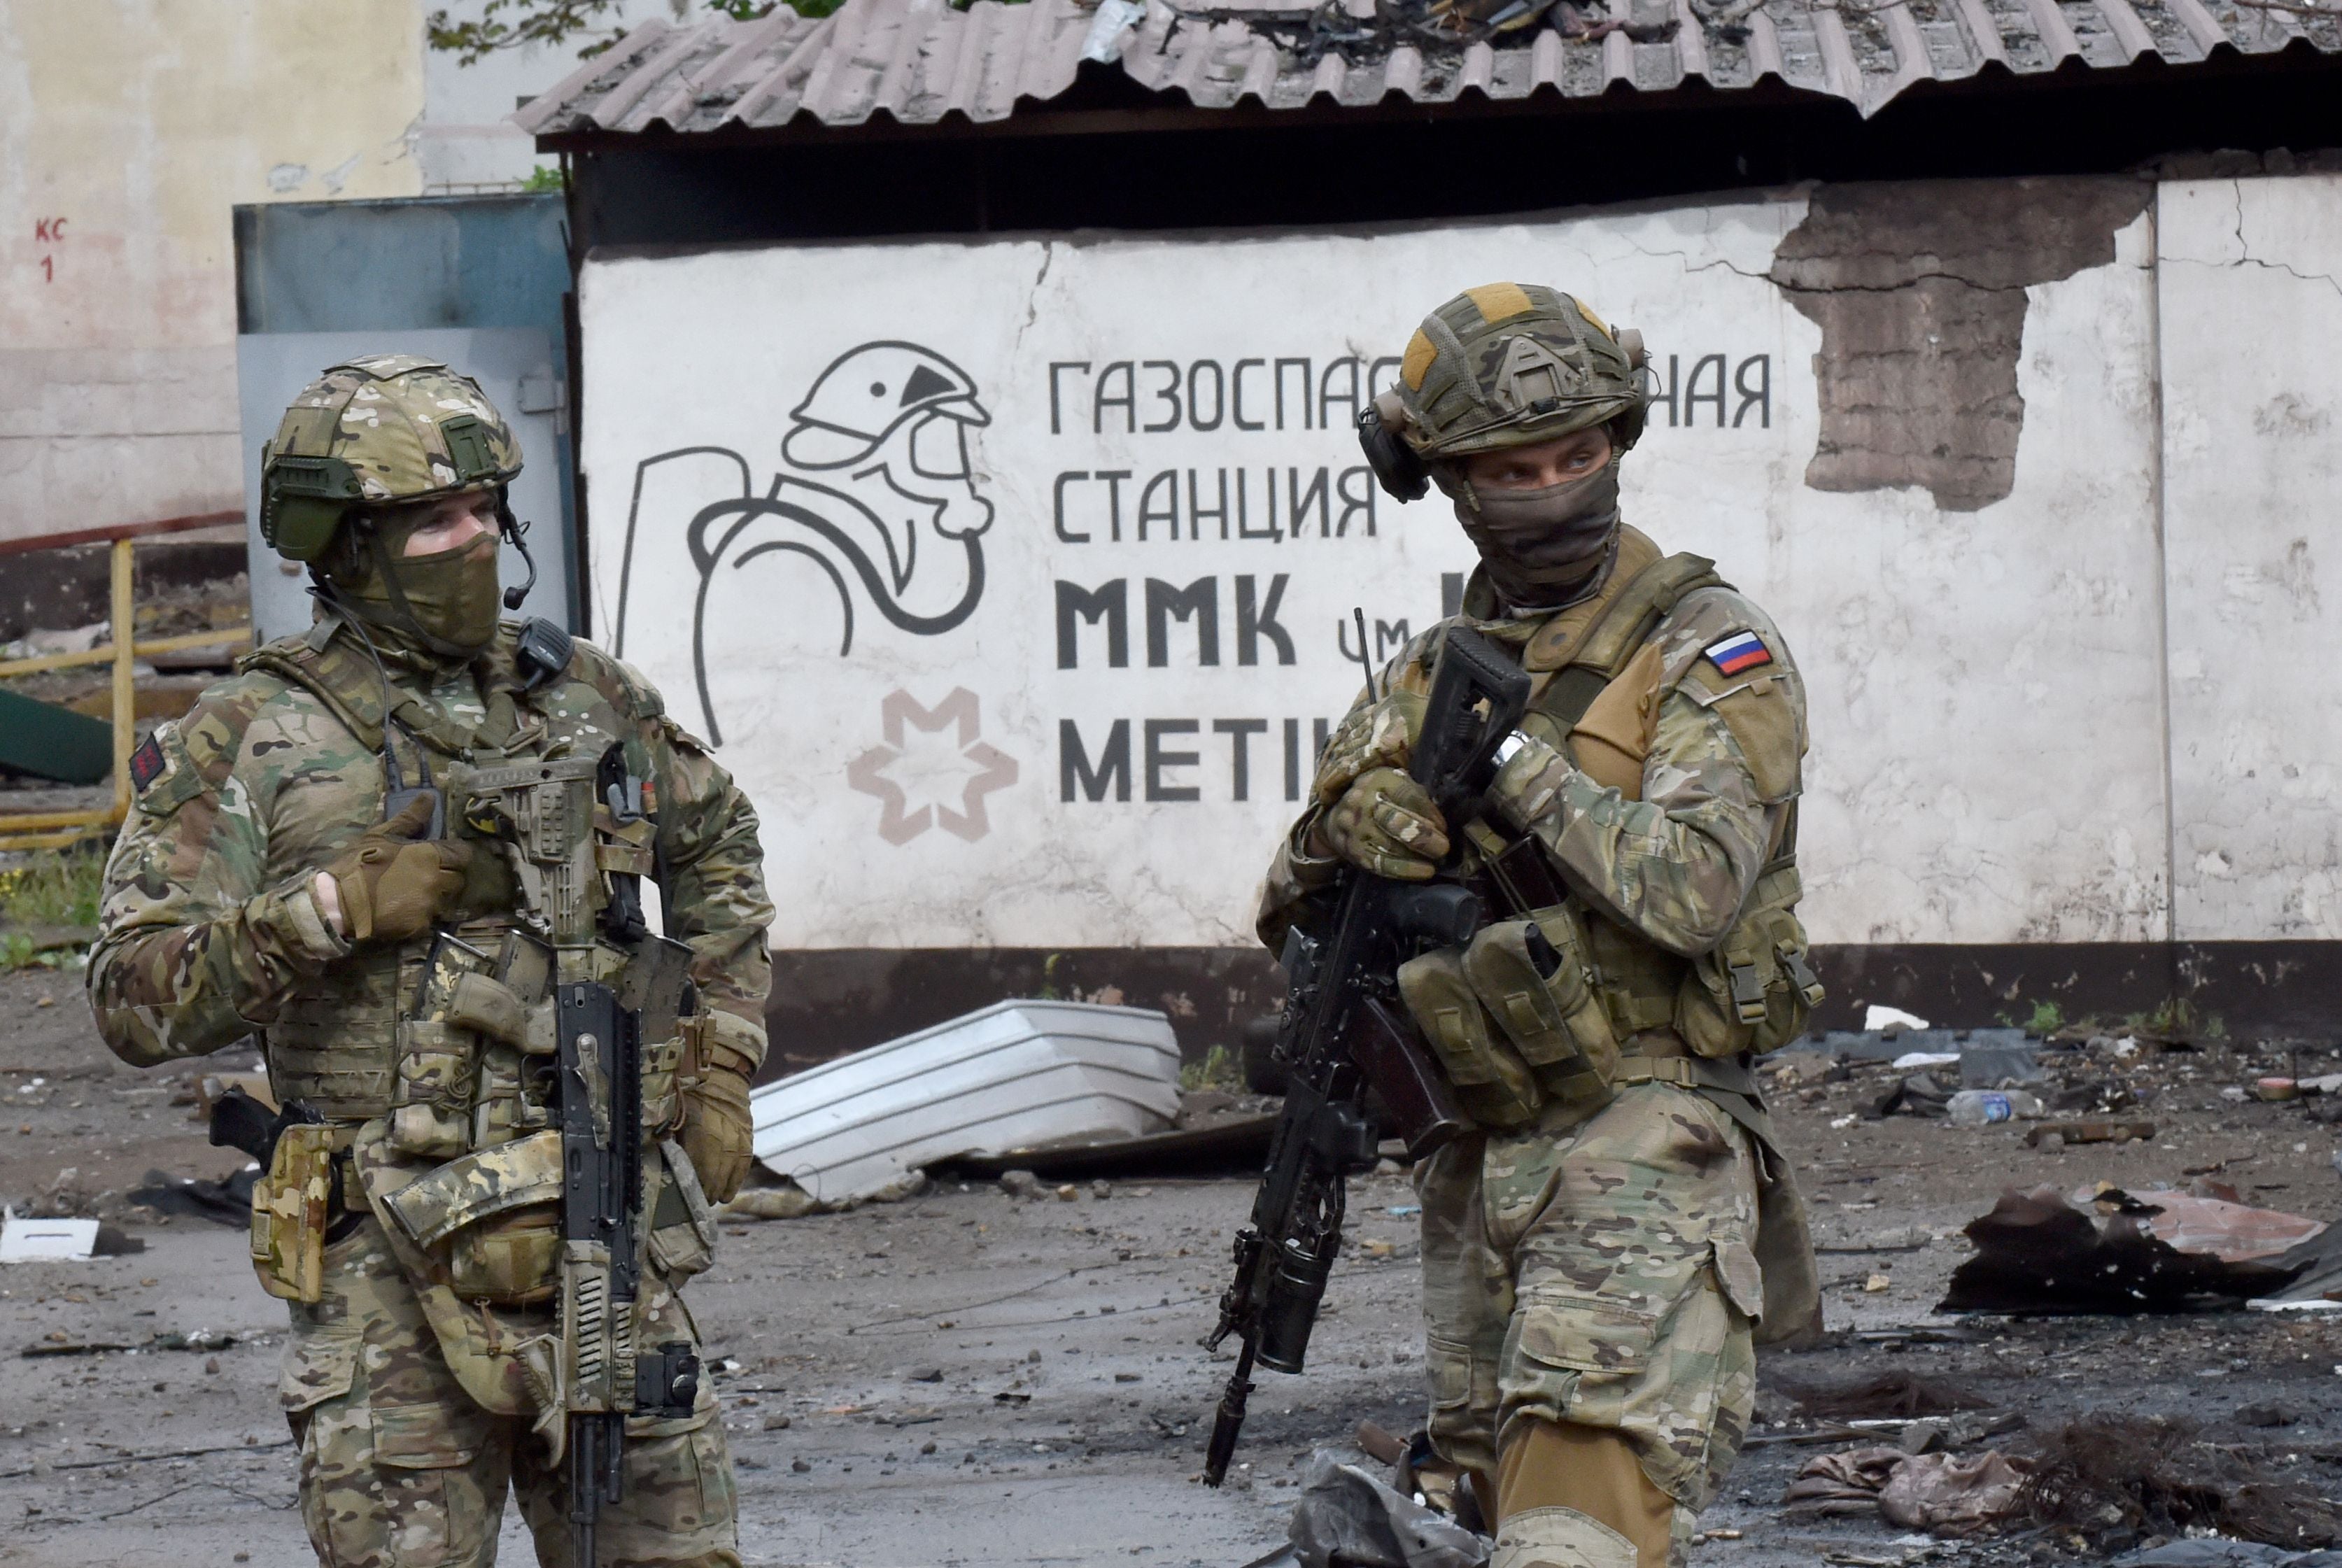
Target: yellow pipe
[
  {"x": 46, "y": 661},
  {"x": 25, "y": 822},
  {"x": 12, "y": 841}
]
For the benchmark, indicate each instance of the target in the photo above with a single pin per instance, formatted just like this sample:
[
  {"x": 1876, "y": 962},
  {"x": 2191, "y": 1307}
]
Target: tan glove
[
  {"x": 391, "y": 886},
  {"x": 718, "y": 1132},
  {"x": 1381, "y": 734},
  {"x": 1386, "y": 824}
]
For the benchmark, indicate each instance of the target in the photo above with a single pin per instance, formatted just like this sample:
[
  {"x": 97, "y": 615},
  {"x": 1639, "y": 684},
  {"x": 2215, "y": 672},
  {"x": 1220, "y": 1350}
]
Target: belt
[{"x": 1643, "y": 1065}]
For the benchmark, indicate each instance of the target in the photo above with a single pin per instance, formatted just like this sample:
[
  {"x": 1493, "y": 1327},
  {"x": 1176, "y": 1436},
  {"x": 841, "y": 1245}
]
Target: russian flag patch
[{"x": 1739, "y": 653}]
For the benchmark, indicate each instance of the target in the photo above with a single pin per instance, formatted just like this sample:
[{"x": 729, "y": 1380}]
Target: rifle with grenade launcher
[{"x": 1345, "y": 1032}]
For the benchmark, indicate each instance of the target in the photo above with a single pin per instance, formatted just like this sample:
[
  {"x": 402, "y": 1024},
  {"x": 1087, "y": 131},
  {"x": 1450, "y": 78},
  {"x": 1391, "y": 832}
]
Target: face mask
[
  {"x": 1538, "y": 545},
  {"x": 450, "y": 597}
]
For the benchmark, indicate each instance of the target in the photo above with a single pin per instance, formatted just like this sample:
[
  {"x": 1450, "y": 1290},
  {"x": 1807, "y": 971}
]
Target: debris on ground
[
  {"x": 1953, "y": 1494},
  {"x": 1345, "y": 1517},
  {"x": 1017, "y": 1075},
  {"x": 2114, "y": 1481},
  {"x": 2037, "y": 1251},
  {"x": 1899, "y": 1394},
  {"x": 25, "y": 1241},
  {"x": 227, "y": 1203},
  {"x": 785, "y": 1200},
  {"x": 1983, "y": 1107}
]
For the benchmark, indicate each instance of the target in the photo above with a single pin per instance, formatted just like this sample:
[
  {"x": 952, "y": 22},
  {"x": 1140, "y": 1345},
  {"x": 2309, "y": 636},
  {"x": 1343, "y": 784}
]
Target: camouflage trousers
[
  {"x": 1596, "y": 1274},
  {"x": 401, "y": 1469}
]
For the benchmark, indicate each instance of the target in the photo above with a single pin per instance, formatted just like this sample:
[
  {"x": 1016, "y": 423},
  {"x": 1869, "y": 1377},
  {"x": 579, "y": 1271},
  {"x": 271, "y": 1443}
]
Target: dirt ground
[{"x": 968, "y": 1378}]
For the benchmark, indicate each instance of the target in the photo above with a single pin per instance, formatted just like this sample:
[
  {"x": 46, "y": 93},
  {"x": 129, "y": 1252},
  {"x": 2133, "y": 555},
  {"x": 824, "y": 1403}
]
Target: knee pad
[{"x": 1560, "y": 1538}]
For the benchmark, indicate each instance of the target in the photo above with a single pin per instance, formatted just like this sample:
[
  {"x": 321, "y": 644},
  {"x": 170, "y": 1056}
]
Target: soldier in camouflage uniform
[
  {"x": 257, "y": 889},
  {"x": 1599, "y": 1258}
]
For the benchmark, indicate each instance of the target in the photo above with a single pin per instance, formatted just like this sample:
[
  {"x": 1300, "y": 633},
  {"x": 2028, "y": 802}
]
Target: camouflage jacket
[
  {"x": 1670, "y": 856},
  {"x": 210, "y": 932}
]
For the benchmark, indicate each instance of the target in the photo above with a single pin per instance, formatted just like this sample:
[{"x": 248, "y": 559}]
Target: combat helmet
[
  {"x": 382, "y": 428},
  {"x": 1505, "y": 364}
]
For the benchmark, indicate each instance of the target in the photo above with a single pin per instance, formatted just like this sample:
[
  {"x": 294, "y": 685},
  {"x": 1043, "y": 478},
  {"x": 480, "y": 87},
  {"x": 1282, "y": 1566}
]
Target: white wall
[
  {"x": 2251, "y": 312},
  {"x": 1988, "y": 698},
  {"x": 128, "y": 129}
]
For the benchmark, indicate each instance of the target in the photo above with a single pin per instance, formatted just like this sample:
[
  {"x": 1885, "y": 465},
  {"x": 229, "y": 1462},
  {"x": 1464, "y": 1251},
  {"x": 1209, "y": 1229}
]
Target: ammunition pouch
[
  {"x": 1539, "y": 989},
  {"x": 1514, "y": 1018},
  {"x": 491, "y": 1218},
  {"x": 291, "y": 1206},
  {"x": 1755, "y": 991}
]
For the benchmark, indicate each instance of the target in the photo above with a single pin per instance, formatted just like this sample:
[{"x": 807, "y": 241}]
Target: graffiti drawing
[{"x": 874, "y": 491}]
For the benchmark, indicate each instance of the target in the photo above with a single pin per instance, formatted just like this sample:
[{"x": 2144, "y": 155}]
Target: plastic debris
[
  {"x": 26, "y": 1241},
  {"x": 1346, "y": 1516},
  {"x": 1982, "y": 1107},
  {"x": 1876, "y": 1019}
]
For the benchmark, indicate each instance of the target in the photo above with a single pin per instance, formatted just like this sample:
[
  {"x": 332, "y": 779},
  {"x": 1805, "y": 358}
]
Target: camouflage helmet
[
  {"x": 1510, "y": 364},
  {"x": 382, "y": 428}
]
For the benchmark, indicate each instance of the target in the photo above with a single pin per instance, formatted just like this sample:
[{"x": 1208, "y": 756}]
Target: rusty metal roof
[{"x": 919, "y": 61}]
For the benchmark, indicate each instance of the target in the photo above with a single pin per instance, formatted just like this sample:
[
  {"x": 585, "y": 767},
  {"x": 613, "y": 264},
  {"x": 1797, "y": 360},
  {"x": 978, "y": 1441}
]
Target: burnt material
[
  {"x": 1919, "y": 291},
  {"x": 2035, "y": 1253}
]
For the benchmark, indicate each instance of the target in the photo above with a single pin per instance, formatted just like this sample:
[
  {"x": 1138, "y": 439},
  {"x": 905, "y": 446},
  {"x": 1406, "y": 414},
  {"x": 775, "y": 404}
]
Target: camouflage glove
[
  {"x": 392, "y": 885},
  {"x": 718, "y": 1132},
  {"x": 1385, "y": 823},
  {"x": 1379, "y": 735}
]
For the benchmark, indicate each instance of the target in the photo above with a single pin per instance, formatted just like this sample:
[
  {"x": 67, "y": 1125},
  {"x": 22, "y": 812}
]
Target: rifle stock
[{"x": 1345, "y": 1033}]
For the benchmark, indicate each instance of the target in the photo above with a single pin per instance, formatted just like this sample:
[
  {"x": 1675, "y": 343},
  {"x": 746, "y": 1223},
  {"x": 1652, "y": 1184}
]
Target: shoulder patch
[
  {"x": 1739, "y": 653},
  {"x": 147, "y": 763}
]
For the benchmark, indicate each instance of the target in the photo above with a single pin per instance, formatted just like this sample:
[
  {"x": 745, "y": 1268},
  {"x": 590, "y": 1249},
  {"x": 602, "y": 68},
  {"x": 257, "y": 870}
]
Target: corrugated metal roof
[{"x": 918, "y": 61}]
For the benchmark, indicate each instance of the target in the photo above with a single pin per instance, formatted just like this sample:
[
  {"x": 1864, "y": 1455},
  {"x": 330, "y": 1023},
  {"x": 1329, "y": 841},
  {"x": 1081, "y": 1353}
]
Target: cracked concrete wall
[
  {"x": 2251, "y": 316},
  {"x": 1919, "y": 289},
  {"x": 128, "y": 128}
]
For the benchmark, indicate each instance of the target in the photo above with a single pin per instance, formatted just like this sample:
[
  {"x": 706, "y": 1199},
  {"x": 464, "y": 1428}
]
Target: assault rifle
[
  {"x": 1345, "y": 1030},
  {"x": 551, "y": 811}
]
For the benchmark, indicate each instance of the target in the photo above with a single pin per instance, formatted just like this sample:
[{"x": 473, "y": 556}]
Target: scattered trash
[
  {"x": 202, "y": 1341},
  {"x": 27, "y": 1241},
  {"x": 785, "y": 1200},
  {"x": 1878, "y": 1020},
  {"x": 1019, "y": 1074},
  {"x": 1344, "y": 1516},
  {"x": 1911, "y": 1061},
  {"x": 2064, "y": 1133},
  {"x": 2115, "y": 1479},
  {"x": 2039, "y": 1252},
  {"x": 1999, "y": 1059},
  {"x": 228, "y": 1202},
  {"x": 2232, "y": 1231},
  {"x": 1920, "y": 1095},
  {"x": 2275, "y": 1089},
  {"x": 1951, "y": 1493},
  {"x": 1982, "y": 1107}
]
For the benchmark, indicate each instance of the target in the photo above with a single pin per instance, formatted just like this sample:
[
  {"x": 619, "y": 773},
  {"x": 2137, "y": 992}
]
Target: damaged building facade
[{"x": 1020, "y": 606}]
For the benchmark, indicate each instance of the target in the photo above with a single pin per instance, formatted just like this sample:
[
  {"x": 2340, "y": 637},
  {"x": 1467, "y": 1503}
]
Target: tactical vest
[
  {"x": 1523, "y": 1016},
  {"x": 437, "y": 1092}
]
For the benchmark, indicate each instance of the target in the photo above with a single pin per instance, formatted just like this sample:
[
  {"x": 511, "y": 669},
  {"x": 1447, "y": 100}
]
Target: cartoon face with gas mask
[{"x": 886, "y": 427}]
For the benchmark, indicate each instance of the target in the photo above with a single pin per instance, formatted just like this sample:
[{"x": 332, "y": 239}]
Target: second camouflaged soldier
[
  {"x": 375, "y": 849},
  {"x": 1599, "y": 1258}
]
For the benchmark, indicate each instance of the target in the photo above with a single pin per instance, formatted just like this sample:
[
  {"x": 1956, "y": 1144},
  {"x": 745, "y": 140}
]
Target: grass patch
[
  {"x": 1217, "y": 1070},
  {"x": 46, "y": 893}
]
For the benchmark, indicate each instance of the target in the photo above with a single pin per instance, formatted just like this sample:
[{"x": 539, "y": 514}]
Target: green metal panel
[{"x": 53, "y": 743}]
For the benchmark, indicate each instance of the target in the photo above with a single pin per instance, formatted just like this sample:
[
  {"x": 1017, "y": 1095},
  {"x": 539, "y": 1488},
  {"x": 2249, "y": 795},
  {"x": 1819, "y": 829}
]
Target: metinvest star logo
[
  {"x": 933, "y": 770},
  {"x": 874, "y": 493}
]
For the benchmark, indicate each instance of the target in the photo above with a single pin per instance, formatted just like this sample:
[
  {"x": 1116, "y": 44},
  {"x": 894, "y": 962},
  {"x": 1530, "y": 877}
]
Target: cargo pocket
[
  {"x": 317, "y": 1367},
  {"x": 1463, "y": 1389},
  {"x": 429, "y": 1514},
  {"x": 1743, "y": 1278}
]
